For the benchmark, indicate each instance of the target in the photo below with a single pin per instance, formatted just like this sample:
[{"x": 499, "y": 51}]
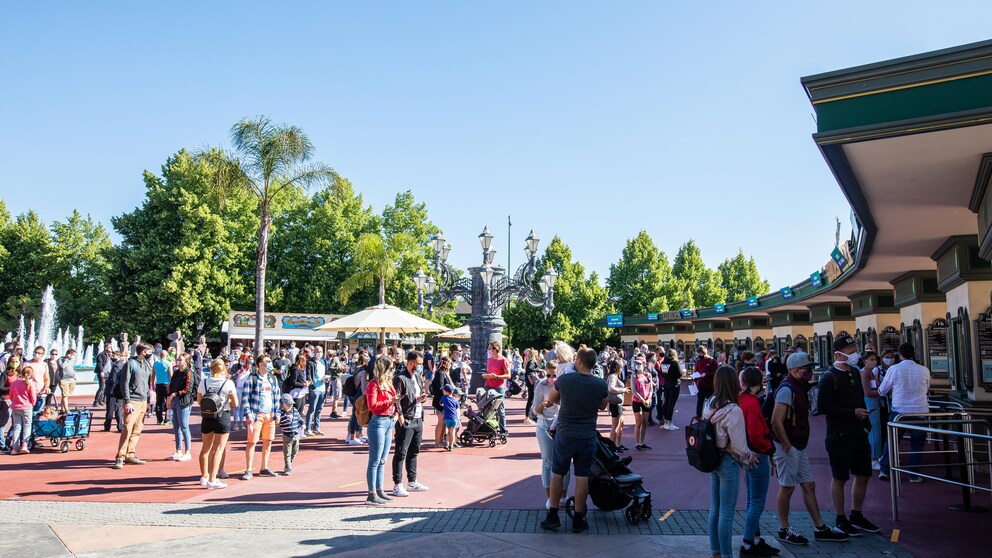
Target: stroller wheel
[
  {"x": 570, "y": 507},
  {"x": 646, "y": 511},
  {"x": 465, "y": 438},
  {"x": 64, "y": 447},
  {"x": 503, "y": 439},
  {"x": 80, "y": 444},
  {"x": 631, "y": 515},
  {"x": 492, "y": 442},
  {"x": 54, "y": 442}
]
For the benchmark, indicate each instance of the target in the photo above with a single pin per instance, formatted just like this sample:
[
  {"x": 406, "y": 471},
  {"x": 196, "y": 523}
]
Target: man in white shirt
[{"x": 908, "y": 383}]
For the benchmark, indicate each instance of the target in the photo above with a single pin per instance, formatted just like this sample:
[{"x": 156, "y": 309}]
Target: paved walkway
[{"x": 117, "y": 529}]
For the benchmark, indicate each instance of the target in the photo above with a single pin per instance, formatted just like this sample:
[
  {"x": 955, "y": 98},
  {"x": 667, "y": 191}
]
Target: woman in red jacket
[
  {"x": 381, "y": 399},
  {"x": 755, "y": 477}
]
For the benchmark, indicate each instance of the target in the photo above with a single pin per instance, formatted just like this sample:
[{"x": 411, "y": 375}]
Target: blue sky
[{"x": 589, "y": 120}]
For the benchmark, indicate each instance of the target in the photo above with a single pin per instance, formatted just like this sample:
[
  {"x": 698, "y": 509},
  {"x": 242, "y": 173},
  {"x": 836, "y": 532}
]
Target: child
[
  {"x": 291, "y": 422},
  {"x": 451, "y": 406},
  {"x": 23, "y": 395},
  {"x": 48, "y": 414}
]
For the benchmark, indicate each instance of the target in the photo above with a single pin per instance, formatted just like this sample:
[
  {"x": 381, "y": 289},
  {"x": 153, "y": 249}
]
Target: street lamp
[{"x": 489, "y": 289}]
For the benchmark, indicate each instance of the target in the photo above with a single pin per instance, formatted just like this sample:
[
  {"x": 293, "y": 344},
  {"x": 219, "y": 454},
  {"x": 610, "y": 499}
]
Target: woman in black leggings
[
  {"x": 672, "y": 373},
  {"x": 532, "y": 375}
]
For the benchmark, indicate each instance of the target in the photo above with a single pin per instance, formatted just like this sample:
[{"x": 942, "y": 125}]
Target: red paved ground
[{"x": 329, "y": 472}]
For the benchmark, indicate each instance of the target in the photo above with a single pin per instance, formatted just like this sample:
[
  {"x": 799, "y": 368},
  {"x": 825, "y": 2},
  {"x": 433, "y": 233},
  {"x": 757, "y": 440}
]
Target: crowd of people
[{"x": 759, "y": 407}]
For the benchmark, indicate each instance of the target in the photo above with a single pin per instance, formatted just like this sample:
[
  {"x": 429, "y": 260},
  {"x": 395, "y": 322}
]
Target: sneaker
[
  {"x": 862, "y": 523},
  {"x": 845, "y": 526},
  {"x": 830, "y": 534},
  {"x": 876, "y": 465},
  {"x": 623, "y": 447},
  {"x": 247, "y": 475},
  {"x": 24, "y": 451},
  {"x": 133, "y": 460},
  {"x": 306, "y": 434},
  {"x": 458, "y": 445},
  {"x": 185, "y": 457},
  {"x": 639, "y": 447},
  {"x": 673, "y": 427},
  {"x": 620, "y": 450},
  {"x": 266, "y": 472},
  {"x": 364, "y": 440},
  {"x": 374, "y": 500},
  {"x": 286, "y": 472},
  {"x": 915, "y": 480},
  {"x": 645, "y": 447},
  {"x": 383, "y": 496},
  {"x": 551, "y": 522},
  {"x": 354, "y": 442},
  {"x": 167, "y": 423},
  {"x": 203, "y": 481},
  {"x": 883, "y": 476},
  {"x": 751, "y": 552},
  {"x": 547, "y": 505},
  {"x": 317, "y": 433},
  {"x": 765, "y": 549},
  {"x": 398, "y": 490},
  {"x": 175, "y": 457},
  {"x": 790, "y": 536},
  {"x": 119, "y": 464},
  {"x": 216, "y": 485},
  {"x": 579, "y": 523},
  {"x": 223, "y": 475},
  {"x": 417, "y": 487},
  {"x": 335, "y": 416}
]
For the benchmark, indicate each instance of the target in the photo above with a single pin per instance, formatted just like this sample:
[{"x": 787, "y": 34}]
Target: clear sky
[{"x": 589, "y": 120}]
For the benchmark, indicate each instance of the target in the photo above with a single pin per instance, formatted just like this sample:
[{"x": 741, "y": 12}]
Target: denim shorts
[
  {"x": 450, "y": 423},
  {"x": 580, "y": 452}
]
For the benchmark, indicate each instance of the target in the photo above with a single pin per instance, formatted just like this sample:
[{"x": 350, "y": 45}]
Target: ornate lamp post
[{"x": 488, "y": 289}]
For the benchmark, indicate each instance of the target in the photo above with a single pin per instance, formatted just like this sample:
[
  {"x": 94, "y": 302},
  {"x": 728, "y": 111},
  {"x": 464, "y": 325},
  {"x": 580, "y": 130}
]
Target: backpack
[
  {"x": 700, "y": 445},
  {"x": 350, "y": 387},
  {"x": 362, "y": 413},
  {"x": 211, "y": 403},
  {"x": 814, "y": 395},
  {"x": 768, "y": 407},
  {"x": 118, "y": 386}
]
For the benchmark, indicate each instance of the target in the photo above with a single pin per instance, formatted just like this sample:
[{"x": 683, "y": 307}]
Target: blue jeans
[
  {"x": 756, "y": 485},
  {"x": 180, "y": 425},
  {"x": 380, "y": 432},
  {"x": 875, "y": 436},
  {"x": 547, "y": 445},
  {"x": 724, "y": 483},
  {"x": 501, "y": 413},
  {"x": 316, "y": 400},
  {"x": 917, "y": 443},
  {"x": 20, "y": 428}
]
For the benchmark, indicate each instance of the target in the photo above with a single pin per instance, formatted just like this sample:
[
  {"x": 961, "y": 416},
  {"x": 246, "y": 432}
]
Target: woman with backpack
[
  {"x": 381, "y": 399},
  {"x": 354, "y": 437},
  {"x": 759, "y": 440},
  {"x": 727, "y": 420},
  {"x": 442, "y": 377},
  {"x": 182, "y": 385},
  {"x": 217, "y": 396}
]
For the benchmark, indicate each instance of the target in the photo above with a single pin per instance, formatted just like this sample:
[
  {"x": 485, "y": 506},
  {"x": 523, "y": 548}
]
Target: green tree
[
  {"x": 183, "y": 257},
  {"x": 81, "y": 246},
  {"x": 30, "y": 260},
  {"x": 641, "y": 282},
  {"x": 739, "y": 277},
  {"x": 315, "y": 240},
  {"x": 375, "y": 263},
  {"x": 699, "y": 284},
  {"x": 579, "y": 302},
  {"x": 270, "y": 160}
]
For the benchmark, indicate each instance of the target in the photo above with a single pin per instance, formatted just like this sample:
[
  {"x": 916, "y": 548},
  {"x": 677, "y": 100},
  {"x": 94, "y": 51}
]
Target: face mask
[
  {"x": 420, "y": 369},
  {"x": 654, "y": 360},
  {"x": 853, "y": 359},
  {"x": 638, "y": 367},
  {"x": 887, "y": 361}
]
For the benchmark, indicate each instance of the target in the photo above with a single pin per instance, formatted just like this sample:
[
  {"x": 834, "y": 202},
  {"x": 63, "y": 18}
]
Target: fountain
[
  {"x": 100, "y": 348},
  {"x": 8, "y": 338},
  {"x": 87, "y": 359},
  {"x": 114, "y": 345},
  {"x": 21, "y": 332},
  {"x": 80, "y": 349},
  {"x": 46, "y": 327},
  {"x": 32, "y": 341}
]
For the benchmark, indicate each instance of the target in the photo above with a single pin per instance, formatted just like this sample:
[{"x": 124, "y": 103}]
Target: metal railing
[{"x": 944, "y": 429}]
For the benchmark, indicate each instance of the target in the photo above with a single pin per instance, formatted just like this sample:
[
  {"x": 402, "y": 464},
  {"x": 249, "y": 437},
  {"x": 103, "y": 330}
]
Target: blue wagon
[{"x": 60, "y": 432}]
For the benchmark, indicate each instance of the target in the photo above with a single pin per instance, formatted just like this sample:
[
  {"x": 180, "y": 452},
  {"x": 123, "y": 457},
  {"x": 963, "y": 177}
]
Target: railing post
[{"x": 893, "y": 484}]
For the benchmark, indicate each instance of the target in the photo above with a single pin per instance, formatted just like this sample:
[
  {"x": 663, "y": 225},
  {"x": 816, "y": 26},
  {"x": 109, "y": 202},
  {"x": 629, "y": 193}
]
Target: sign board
[
  {"x": 720, "y": 308},
  {"x": 669, "y": 316},
  {"x": 816, "y": 279},
  {"x": 940, "y": 366},
  {"x": 653, "y": 317},
  {"x": 889, "y": 339},
  {"x": 838, "y": 257},
  {"x": 752, "y": 302},
  {"x": 687, "y": 313},
  {"x": 787, "y": 293},
  {"x": 614, "y": 320}
]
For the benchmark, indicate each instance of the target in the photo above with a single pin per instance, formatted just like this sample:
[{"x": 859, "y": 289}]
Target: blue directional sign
[
  {"x": 687, "y": 313},
  {"x": 752, "y": 302},
  {"x": 839, "y": 258},
  {"x": 614, "y": 320},
  {"x": 816, "y": 280},
  {"x": 720, "y": 308},
  {"x": 652, "y": 317},
  {"x": 787, "y": 293}
]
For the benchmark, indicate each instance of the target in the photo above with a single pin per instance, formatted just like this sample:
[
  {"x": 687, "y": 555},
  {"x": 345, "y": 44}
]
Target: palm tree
[
  {"x": 270, "y": 159},
  {"x": 376, "y": 259}
]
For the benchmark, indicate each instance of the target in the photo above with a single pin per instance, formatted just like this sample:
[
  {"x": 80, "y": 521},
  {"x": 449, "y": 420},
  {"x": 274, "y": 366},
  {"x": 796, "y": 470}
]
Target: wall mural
[
  {"x": 248, "y": 320},
  {"x": 302, "y": 322}
]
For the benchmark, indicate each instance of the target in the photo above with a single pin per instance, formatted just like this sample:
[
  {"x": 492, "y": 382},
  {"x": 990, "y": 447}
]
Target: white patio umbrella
[
  {"x": 383, "y": 319},
  {"x": 458, "y": 333}
]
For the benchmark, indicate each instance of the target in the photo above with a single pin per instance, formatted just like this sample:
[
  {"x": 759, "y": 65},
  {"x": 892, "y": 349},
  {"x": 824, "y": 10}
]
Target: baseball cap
[
  {"x": 449, "y": 387},
  {"x": 798, "y": 360},
  {"x": 287, "y": 399},
  {"x": 843, "y": 342}
]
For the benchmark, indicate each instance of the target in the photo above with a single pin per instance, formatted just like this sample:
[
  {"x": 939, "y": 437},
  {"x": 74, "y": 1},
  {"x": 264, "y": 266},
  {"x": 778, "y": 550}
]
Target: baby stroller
[
  {"x": 71, "y": 426},
  {"x": 612, "y": 485},
  {"x": 483, "y": 425}
]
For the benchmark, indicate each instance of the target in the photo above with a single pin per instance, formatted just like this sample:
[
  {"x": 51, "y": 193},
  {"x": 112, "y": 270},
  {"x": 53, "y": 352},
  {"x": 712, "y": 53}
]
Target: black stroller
[
  {"x": 483, "y": 425},
  {"x": 613, "y": 485}
]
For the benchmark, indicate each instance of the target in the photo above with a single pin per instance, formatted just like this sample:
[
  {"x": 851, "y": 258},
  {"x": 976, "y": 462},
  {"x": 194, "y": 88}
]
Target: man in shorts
[
  {"x": 842, "y": 401},
  {"x": 581, "y": 397},
  {"x": 260, "y": 404},
  {"x": 790, "y": 434}
]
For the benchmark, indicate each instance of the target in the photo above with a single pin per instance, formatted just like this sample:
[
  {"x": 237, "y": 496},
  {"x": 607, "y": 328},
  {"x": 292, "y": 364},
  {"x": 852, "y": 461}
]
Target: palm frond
[
  {"x": 306, "y": 177},
  {"x": 358, "y": 281}
]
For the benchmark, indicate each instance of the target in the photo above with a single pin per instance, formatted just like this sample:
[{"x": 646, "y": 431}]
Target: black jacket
[
  {"x": 441, "y": 378},
  {"x": 104, "y": 364},
  {"x": 184, "y": 385},
  {"x": 295, "y": 378},
  {"x": 840, "y": 394},
  {"x": 405, "y": 385}
]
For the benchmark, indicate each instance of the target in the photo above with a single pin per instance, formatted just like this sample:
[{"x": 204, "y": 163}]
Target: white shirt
[{"x": 908, "y": 382}]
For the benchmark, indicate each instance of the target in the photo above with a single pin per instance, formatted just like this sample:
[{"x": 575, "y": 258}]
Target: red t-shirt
[{"x": 498, "y": 366}]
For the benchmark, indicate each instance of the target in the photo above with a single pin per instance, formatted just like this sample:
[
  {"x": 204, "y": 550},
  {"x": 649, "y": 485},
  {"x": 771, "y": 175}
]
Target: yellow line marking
[
  {"x": 491, "y": 499},
  {"x": 352, "y": 484},
  {"x": 895, "y": 535},
  {"x": 667, "y": 514}
]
